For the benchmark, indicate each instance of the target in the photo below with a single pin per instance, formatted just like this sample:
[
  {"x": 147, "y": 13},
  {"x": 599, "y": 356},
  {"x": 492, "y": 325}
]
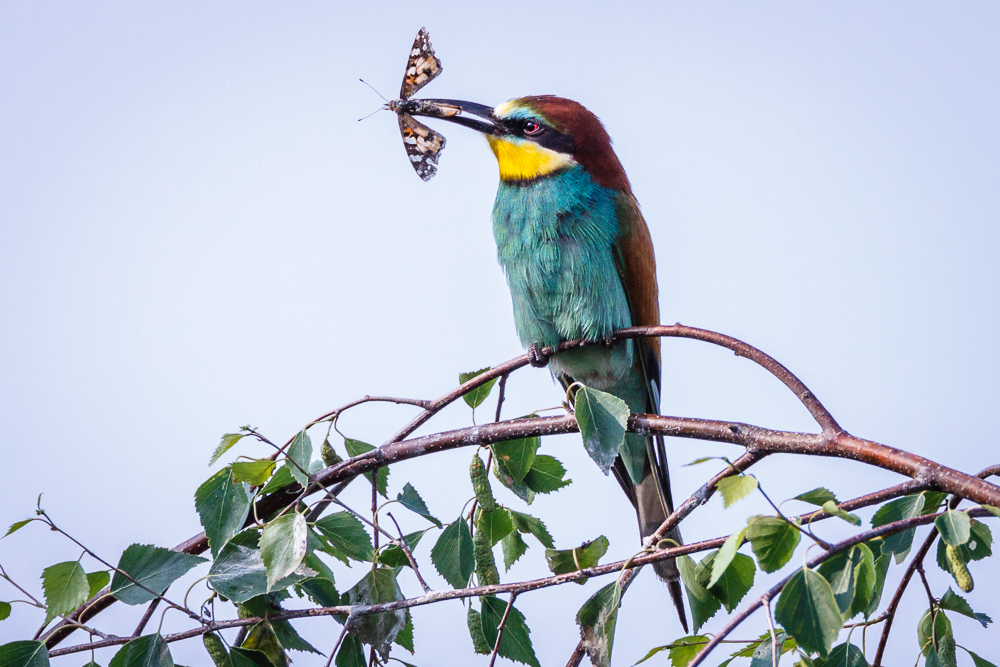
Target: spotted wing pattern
[
  {"x": 422, "y": 67},
  {"x": 423, "y": 145}
]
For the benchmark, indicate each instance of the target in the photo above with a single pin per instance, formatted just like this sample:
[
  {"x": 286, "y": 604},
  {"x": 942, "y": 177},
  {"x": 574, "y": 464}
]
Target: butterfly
[{"x": 423, "y": 145}]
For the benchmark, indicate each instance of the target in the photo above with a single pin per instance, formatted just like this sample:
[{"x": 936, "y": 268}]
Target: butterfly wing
[
  {"x": 421, "y": 68},
  {"x": 423, "y": 145}
]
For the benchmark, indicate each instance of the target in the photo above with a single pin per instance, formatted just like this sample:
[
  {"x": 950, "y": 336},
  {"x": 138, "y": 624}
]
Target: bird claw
[{"x": 536, "y": 358}]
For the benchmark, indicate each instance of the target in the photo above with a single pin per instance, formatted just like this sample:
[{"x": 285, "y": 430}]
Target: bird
[{"x": 579, "y": 262}]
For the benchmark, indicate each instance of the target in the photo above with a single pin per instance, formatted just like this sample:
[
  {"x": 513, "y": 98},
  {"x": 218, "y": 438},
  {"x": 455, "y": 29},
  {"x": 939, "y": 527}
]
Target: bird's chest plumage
[{"x": 557, "y": 240}]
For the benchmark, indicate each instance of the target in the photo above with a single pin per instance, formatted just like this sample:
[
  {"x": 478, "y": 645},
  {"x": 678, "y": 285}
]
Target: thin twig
[
  {"x": 502, "y": 393},
  {"x": 409, "y": 555},
  {"x": 145, "y": 618},
  {"x": 13, "y": 583},
  {"x": 336, "y": 646},
  {"x": 503, "y": 622},
  {"x": 774, "y": 637}
]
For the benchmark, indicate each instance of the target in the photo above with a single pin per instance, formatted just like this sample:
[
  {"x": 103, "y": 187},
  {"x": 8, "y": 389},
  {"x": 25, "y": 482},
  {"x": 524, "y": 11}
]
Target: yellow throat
[{"x": 522, "y": 160}]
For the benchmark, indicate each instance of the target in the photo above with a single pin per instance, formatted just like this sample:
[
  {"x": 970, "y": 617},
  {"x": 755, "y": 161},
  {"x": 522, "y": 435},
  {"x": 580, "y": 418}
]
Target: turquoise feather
[{"x": 556, "y": 238}]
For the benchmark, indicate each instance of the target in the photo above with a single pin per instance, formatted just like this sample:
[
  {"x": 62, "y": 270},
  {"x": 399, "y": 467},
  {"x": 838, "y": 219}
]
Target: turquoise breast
[{"x": 555, "y": 241}]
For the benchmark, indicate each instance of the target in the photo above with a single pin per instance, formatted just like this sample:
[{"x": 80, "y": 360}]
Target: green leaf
[
  {"x": 516, "y": 456},
  {"x": 726, "y": 555},
  {"x": 393, "y": 556},
  {"x": 830, "y": 507},
  {"x": 844, "y": 655},
  {"x": 289, "y": 638},
  {"x": 995, "y": 511},
  {"x": 24, "y": 654},
  {"x": 378, "y": 630},
  {"x": 735, "y": 488},
  {"x": 978, "y": 547},
  {"x": 906, "y": 507},
  {"x": 866, "y": 578},
  {"x": 222, "y": 506},
  {"x": 263, "y": 639},
  {"x": 955, "y": 527},
  {"x": 525, "y": 523},
  {"x": 520, "y": 490},
  {"x": 299, "y": 452},
  {"x": 357, "y": 448},
  {"x": 546, "y": 475},
  {"x": 347, "y": 534},
  {"x": 65, "y": 586},
  {"x": 452, "y": 554},
  {"x": 283, "y": 546},
  {"x": 280, "y": 479},
  {"x": 597, "y": 619},
  {"x": 148, "y": 651},
  {"x": 4, "y": 611},
  {"x": 245, "y": 657},
  {"x": 586, "y": 555},
  {"x": 808, "y": 612},
  {"x": 411, "y": 500},
  {"x": 773, "y": 541},
  {"x": 96, "y": 581},
  {"x": 979, "y": 662},
  {"x": 495, "y": 525},
  {"x": 703, "y": 459},
  {"x": 405, "y": 636},
  {"x": 153, "y": 567},
  {"x": 882, "y": 562},
  {"x": 602, "y": 419},
  {"x": 954, "y": 602},
  {"x": 704, "y": 605},
  {"x": 321, "y": 591},
  {"x": 17, "y": 525},
  {"x": 763, "y": 654},
  {"x": 255, "y": 473},
  {"x": 933, "y": 626},
  {"x": 238, "y": 572},
  {"x": 514, "y": 547},
  {"x": 817, "y": 497},
  {"x": 735, "y": 582},
  {"x": 840, "y": 571},
  {"x": 515, "y": 642},
  {"x": 228, "y": 440},
  {"x": 475, "y": 397},
  {"x": 351, "y": 653},
  {"x": 681, "y": 651}
]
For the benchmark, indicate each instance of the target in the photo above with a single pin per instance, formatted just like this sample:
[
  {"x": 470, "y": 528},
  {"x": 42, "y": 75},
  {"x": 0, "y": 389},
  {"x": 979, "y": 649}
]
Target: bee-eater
[{"x": 579, "y": 262}]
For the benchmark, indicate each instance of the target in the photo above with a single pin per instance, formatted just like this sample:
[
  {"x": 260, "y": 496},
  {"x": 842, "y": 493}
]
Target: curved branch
[{"x": 347, "y": 470}]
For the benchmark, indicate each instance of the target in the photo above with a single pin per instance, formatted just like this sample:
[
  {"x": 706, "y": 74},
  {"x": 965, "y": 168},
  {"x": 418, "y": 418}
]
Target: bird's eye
[{"x": 530, "y": 127}]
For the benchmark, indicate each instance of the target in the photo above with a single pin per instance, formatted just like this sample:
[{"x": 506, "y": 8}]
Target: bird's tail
[{"x": 652, "y": 500}]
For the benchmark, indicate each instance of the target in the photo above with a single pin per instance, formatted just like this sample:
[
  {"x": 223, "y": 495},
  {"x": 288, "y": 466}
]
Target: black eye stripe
[{"x": 546, "y": 136}]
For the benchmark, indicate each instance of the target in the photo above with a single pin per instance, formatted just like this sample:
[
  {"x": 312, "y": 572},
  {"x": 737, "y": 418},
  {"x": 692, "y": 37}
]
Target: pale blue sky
[{"x": 196, "y": 233}]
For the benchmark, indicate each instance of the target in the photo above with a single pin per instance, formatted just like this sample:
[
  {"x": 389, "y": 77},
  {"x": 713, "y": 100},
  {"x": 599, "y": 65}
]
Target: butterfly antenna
[
  {"x": 372, "y": 113},
  {"x": 373, "y": 88}
]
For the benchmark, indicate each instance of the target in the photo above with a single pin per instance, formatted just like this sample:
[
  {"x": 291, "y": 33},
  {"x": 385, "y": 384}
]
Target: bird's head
[{"x": 539, "y": 135}]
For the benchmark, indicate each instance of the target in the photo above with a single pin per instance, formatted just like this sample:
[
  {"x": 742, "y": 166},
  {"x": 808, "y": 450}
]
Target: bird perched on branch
[{"x": 579, "y": 263}]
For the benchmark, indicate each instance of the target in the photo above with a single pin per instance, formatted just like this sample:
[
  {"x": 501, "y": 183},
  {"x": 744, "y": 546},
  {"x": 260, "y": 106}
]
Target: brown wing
[
  {"x": 421, "y": 67},
  {"x": 637, "y": 269},
  {"x": 423, "y": 145}
]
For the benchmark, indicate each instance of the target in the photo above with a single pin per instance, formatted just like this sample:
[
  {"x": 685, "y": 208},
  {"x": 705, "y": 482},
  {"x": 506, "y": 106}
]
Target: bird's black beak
[{"x": 455, "y": 111}]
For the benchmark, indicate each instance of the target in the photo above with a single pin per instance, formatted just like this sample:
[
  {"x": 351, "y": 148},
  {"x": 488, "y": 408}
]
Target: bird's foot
[{"x": 536, "y": 357}]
